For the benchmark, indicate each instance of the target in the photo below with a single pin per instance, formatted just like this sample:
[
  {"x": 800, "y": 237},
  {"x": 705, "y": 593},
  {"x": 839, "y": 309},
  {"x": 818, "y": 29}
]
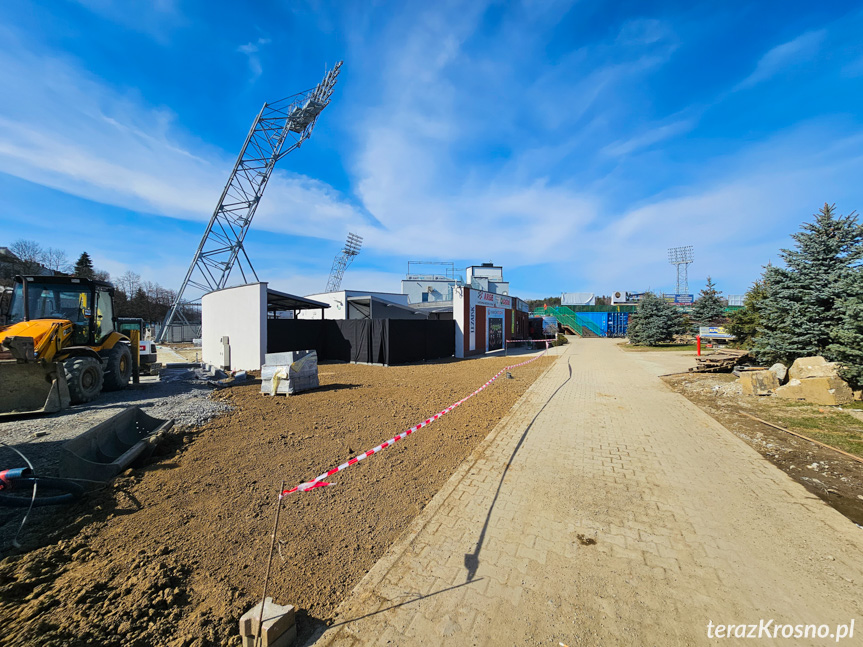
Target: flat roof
[{"x": 283, "y": 301}]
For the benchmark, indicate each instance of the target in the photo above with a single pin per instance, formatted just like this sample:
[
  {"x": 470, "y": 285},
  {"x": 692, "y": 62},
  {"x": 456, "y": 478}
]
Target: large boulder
[
  {"x": 817, "y": 390},
  {"x": 758, "y": 382},
  {"x": 816, "y": 366},
  {"x": 780, "y": 371}
]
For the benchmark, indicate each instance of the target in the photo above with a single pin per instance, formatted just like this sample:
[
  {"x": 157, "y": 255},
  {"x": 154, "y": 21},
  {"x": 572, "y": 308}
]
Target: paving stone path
[{"x": 608, "y": 510}]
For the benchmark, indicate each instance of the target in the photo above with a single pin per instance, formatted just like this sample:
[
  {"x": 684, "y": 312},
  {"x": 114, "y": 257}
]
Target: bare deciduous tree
[
  {"x": 129, "y": 282},
  {"x": 29, "y": 253},
  {"x": 56, "y": 259}
]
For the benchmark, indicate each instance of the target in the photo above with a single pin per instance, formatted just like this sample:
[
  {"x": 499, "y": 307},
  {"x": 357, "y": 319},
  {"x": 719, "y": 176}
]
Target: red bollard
[{"x": 698, "y": 345}]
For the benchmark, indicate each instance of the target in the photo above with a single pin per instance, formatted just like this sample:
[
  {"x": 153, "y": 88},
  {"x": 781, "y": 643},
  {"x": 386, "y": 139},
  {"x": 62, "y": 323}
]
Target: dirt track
[
  {"x": 174, "y": 552},
  {"x": 836, "y": 479}
]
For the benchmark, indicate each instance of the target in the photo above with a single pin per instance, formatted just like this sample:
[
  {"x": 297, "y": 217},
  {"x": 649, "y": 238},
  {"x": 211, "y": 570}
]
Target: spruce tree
[
  {"x": 655, "y": 322},
  {"x": 84, "y": 266},
  {"x": 847, "y": 346},
  {"x": 803, "y": 304},
  {"x": 709, "y": 308},
  {"x": 745, "y": 322}
]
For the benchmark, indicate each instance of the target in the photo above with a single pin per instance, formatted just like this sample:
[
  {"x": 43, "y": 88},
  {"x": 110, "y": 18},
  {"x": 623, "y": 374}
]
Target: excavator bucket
[{"x": 32, "y": 387}]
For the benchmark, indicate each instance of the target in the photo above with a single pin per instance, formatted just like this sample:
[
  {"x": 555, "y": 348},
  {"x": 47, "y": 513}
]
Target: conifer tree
[
  {"x": 709, "y": 308},
  {"x": 803, "y": 304},
  {"x": 655, "y": 322},
  {"x": 84, "y": 266},
  {"x": 745, "y": 322},
  {"x": 847, "y": 346}
]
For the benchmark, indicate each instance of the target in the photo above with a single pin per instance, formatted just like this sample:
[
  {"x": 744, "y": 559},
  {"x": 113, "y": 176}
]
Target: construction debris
[
  {"x": 721, "y": 361},
  {"x": 758, "y": 382},
  {"x": 817, "y": 390},
  {"x": 815, "y": 366},
  {"x": 781, "y": 372}
]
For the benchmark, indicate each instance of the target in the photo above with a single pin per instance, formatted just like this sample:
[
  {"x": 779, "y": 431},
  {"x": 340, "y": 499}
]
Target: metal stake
[{"x": 260, "y": 636}]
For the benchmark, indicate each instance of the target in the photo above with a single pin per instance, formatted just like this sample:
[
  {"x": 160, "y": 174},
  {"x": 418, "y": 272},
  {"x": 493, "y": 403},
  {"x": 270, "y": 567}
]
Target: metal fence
[{"x": 177, "y": 333}]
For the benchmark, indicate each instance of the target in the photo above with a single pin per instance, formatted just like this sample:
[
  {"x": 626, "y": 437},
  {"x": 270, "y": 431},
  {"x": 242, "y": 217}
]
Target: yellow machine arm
[{"x": 49, "y": 336}]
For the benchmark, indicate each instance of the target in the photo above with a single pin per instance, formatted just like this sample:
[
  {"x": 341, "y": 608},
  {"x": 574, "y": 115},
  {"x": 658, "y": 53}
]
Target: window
[{"x": 104, "y": 316}]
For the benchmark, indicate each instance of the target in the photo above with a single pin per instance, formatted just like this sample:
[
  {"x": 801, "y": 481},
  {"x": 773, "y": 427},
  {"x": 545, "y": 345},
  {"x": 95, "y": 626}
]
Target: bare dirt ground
[
  {"x": 836, "y": 479},
  {"x": 170, "y": 353},
  {"x": 174, "y": 552}
]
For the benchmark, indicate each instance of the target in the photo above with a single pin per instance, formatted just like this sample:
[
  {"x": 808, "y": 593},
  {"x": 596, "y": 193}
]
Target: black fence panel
[
  {"x": 417, "y": 341},
  {"x": 297, "y": 334},
  {"x": 374, "y": 341}
]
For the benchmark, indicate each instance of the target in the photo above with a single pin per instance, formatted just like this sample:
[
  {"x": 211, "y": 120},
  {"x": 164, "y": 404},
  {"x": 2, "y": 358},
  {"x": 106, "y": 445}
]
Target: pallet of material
[{"x": 721, "y": 361}]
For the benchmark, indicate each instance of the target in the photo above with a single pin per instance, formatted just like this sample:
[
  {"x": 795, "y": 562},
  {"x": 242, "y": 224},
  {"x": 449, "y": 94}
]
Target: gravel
[{"x": 39, "y": 438}]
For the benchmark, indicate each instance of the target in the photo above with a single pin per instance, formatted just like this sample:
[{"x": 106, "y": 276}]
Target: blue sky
[{"x": 571, "y": 142}]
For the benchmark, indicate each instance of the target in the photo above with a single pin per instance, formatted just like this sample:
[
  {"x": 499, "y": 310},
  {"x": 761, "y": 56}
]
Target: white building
[
  {"x": 577, "y": 299},
  {"x": 234, "y": 323},
  {"x": 438, "y": 289},
  {"x": 358, "y": 304}
]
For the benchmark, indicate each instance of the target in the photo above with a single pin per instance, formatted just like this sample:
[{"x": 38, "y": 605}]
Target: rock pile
[{"x": 812, "y": 379}]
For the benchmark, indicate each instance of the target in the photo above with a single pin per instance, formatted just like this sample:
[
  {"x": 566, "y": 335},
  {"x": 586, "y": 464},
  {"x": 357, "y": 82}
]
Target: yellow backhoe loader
[{"x": 59, "y": 345}]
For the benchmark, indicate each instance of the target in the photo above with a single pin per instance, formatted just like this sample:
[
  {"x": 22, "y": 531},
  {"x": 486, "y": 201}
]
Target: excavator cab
[
  {"x": 87, "y": 305},
  {"x": 60, "y": 344}
]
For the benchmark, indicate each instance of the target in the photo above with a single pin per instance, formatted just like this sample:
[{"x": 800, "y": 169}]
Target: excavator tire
[
  {"x": 84, "y": 376},
  {"x": 118, "y": 371}
]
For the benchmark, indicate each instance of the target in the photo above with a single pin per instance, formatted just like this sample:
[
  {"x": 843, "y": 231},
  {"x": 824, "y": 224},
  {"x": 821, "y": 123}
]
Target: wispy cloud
[
  {"x": 251, "y": 50},
  {"x": 72, "y": 132},
  {"x": 649, "y": 137},
  {"x": 156, "y": 18},
  {"x": 784, "y": 56}
]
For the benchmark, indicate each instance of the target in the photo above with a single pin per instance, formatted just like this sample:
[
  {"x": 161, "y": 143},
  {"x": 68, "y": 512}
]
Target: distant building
[
  {"x": 577, "y": 299},
  {"x": 10, "y": 265},
  {"x": 735, "y": 299},
  {"x": 358, "y": 304},
  {"x": 487, "y": 277},
  {"x": 437, "y": 288}
]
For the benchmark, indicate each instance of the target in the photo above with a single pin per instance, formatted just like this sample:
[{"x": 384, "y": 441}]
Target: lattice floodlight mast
[
  {"x": 278, "y": 129},
  {"x": 681, "y": 257},
  {"x": 344, "y": 258}
]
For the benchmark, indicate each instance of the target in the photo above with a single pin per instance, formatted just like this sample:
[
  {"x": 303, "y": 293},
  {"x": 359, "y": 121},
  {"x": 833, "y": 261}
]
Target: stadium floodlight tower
[
  {"x": 344, "y": 258},
  {"x": 681, "y": 257},
  {"x": 278, "y": 129}
]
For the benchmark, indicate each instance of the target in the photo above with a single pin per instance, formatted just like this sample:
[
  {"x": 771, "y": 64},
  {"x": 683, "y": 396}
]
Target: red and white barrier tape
[{"x": 319, "y": 480}]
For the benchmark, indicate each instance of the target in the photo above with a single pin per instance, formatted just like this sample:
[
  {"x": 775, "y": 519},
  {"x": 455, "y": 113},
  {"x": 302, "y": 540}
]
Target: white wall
[
  {"x": 239, "y": 313},
  {"x": 458, "y": 296},
  {"x": 337, "y": 309}
]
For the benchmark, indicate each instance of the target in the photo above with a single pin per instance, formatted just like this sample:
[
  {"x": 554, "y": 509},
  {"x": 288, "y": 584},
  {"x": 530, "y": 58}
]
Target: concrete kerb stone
[
  {"x": 366, "y": 586},
  {"x": 279, "y": 625}
]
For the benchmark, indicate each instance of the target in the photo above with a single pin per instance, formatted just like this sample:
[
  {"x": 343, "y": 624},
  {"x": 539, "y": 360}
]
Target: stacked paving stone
[{"x": 289, "y": 372}]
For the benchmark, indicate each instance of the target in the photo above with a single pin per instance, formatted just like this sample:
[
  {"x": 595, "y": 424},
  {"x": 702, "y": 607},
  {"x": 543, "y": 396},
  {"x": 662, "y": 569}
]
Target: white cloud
[
  {"x": 649, "y": 137},
  {"x": 783, "y": 56},
  {"x": 251, "y": 51},
  {"x": 68, "y": 130},
  {"x": 156, "y": 18}
]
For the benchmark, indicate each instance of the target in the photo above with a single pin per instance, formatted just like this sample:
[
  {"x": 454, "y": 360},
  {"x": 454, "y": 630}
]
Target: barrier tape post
[
  {"x": 260, "y": 635},
  {"x": 318, "y": 481}
]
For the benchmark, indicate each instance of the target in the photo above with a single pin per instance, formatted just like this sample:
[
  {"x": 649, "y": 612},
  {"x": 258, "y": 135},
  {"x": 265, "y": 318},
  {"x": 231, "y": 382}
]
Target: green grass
[
  {"x": 853, "y": 405},
  {"x": 833, "y": 428}
]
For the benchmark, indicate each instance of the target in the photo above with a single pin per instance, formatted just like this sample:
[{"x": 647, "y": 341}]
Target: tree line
[
  {"x": 133, "y": 296},
  {"x": 811, "y": 306}
]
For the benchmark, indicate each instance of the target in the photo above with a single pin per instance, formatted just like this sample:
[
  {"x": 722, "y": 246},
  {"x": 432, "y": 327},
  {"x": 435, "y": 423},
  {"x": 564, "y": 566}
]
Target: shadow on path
[
  {"x": 471, "y": 560},
  {"x": 416, "y": 598}
]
